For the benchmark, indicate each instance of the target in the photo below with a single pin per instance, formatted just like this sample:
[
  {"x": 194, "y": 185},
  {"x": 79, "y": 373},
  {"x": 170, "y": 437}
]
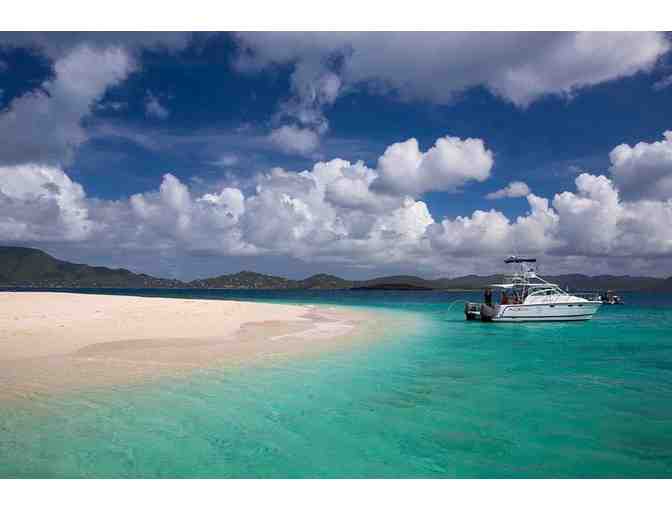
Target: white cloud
[
  {"x": 348, "y": 186},
  {"x": 154, "y": 108},
  {"x": 483, "y": 233},
  {"x": 514, "y": 189},
  {"x": 312, "y": 91},
  {"x": 537, "y": 231},
  {"x": 292, "y": 139},
  {"x": 173, "y": 216},
  {"x": 589, "y": 219},
  {"x": 303, "y": 116},
  {"x": 521, "y": 67},
  {"x": 42, "y": 203},
  {"x": 335, "y": 213},
  {"x": 578, "y": 60},
  {"x": 231, "y": 199},
  {"x": 446, "y": 166},
  {"x": 595, "y": 221},
  {"x": 45, "y": 125},
  {"x": 645, "y": 170}
]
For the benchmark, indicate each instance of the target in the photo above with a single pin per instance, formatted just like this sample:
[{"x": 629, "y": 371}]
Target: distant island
[{"x": 29, "y": 267}]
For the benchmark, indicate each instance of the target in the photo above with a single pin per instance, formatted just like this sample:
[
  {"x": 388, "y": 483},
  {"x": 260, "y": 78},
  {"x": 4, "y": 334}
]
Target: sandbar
[{"x": 55, "y": 341}]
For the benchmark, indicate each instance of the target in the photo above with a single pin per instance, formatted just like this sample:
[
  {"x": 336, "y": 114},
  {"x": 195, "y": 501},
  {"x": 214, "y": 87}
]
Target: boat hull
[{"x": 542, "y": 312}]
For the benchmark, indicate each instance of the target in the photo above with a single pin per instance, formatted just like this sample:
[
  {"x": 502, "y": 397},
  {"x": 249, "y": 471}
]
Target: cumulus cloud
[
  {"x": 42, "y": 203},
  {"x": 519, "y": 67},
  {"x": 154, "y": 108},
  {"x": 349, "y": 186},
  {"x": 449, "y": 164},
  {"x": 595, "y": 221},
  {"x": 173, "y": 216},
  {"x": 292, "y": 139},
  {"x": 335, "y": 213},
  {"x": 512, "y": 190},
  {"x": 644, "y": 170},
  {"x": 589, "y": 218},
  {"x": 488, "y": 234}
]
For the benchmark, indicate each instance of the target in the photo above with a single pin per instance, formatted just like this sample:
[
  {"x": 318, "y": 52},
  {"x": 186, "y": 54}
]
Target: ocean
[{"x": 434, "y": 396}]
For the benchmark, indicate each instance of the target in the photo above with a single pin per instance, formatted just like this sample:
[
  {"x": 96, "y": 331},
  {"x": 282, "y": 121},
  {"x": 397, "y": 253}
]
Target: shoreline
[{"x": 52, "y": 342}]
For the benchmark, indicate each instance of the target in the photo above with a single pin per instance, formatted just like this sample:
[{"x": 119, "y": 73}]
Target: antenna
[{"x": 516, "y": 251}]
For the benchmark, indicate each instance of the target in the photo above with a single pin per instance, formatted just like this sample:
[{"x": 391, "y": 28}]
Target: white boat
[{"x": 524, "y": 296}]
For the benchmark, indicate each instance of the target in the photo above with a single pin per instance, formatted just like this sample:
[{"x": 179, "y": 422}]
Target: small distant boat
[
  {"x": 525, "y": 297},
  {"x": 609, "y": 298}
]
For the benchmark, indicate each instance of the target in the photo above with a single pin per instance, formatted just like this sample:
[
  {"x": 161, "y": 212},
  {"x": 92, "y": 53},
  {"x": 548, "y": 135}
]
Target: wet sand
[{"x": 51, "y": 342}]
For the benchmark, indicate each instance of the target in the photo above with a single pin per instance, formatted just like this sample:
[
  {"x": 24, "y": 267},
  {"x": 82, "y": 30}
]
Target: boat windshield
[
  {"x": 545, "y": 292},
  {"x": 512, "y": 296},
  {"x": 517, "y": 294}
]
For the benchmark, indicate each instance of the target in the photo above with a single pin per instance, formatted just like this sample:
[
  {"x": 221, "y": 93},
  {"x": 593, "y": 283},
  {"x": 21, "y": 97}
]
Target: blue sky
[{"x": 219, "y": 111}]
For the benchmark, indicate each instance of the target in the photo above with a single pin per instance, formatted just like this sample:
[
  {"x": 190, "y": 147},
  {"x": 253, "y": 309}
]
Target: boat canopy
[
  {"x": 517, "y": 260},
  {"x": 522, "y": 280},
  {"x": 522, "y": 284}
]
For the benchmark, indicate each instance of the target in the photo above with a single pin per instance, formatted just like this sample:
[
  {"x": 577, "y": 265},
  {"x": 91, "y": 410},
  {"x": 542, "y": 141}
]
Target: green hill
[
  {"x": 324, "y": 281},
  {"x": 244, "y": 280},
  {"x": 34, "y": 268},
  {"x": 30, "y": 267}
]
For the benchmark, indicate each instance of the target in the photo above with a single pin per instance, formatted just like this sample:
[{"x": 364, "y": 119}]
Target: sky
[{"x": 360, "y": 154}]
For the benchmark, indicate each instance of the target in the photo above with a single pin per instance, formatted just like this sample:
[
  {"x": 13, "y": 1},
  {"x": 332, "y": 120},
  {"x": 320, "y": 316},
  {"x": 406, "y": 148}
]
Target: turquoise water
[{"x": 435, "y": 396}]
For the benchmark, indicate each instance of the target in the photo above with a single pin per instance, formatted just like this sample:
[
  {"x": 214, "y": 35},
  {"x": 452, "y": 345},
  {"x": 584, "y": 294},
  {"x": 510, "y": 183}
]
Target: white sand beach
[{"x": 51, "y": 341}]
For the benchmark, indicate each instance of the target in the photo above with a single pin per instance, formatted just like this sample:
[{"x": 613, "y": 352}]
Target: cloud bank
[
  {"x": 340, "y": 211},
  {"x": 347, "y": 213}
]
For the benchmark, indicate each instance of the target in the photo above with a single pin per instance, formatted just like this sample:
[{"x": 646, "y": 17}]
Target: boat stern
[
  {"x": 472, "y": 311},
  {"x": 488, "y": 313},
  {"x": 479, "y": 311}
]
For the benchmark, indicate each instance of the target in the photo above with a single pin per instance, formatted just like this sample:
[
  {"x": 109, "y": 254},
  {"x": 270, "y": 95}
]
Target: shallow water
[{"x": 435, "y": 396}]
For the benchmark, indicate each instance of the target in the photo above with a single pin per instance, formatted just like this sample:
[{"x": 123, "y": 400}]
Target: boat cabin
[{"x": 522, "y": 293}]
